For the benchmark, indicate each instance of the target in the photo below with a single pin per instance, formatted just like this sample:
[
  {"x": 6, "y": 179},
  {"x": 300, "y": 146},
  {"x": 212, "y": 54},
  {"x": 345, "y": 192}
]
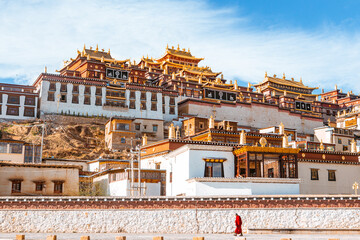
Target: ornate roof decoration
[{"x": 283, "y": 81}]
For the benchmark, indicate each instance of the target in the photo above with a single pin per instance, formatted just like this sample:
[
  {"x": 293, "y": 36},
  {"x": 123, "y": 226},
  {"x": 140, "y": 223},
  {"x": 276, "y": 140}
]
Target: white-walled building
[
  {"x": 96, "y": 97},
  {"x": 18, "y": 102},
  {"x": 196, "y": 168}
]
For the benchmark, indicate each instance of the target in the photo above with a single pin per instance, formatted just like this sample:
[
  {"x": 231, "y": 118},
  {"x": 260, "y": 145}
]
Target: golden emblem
[{"x": 263, "y": 142}]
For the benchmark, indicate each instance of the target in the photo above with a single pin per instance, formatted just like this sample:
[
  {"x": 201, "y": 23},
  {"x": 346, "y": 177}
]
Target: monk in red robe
[{"x": 238, "y": 224}]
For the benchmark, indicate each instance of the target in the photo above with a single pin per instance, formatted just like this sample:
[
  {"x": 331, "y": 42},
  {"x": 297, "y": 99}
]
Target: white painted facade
[
  {"x": 346, "y": 175},
  {"x": 248, "y": 186},
  {"x": 21, "y": 116},
  {"x": 256, "y": 115},
  {"x": 185, "y": 171},
  {"x": 58, "y": 107}
]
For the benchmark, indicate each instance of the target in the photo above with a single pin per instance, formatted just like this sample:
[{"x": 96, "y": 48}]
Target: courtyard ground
[{"x": 111, "y": 236}]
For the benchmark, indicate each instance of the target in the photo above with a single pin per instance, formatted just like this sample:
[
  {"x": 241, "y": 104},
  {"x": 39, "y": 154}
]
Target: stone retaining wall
[{"x": 175, "y": 220}]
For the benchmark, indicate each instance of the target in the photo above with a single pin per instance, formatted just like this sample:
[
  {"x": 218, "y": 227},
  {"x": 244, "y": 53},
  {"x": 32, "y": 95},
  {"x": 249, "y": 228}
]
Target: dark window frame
[
  {"x": 16, "y": 186},
  {"x": 314, "y": 174},
  {"x": 331, "y": 175},
  {"x": 209, "y": 169},
  {"x": 58, "y": 187}
]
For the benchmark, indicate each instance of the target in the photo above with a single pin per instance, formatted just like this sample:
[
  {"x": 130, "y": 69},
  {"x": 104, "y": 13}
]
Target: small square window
[
  {"x": 58, "y": 187},
  {"x": 331, "y": 175},
  {"x": 339, "y": 141},
  {"x": 123, "y": 140},
  {"x": 16, "y": 186},
  {"x": 137, "y": 126},
  {"x": 314, "y": 174},
  {"x": 155, "y": 128},
  {"x": 39, "y": 186}
]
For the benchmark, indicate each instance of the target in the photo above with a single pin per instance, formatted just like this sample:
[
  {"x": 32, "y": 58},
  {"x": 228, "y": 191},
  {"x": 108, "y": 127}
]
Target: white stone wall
[
  {"x": 240, "y": 188},
  {"x": 49, "y": 107},
  {"x": 345, "y": 175},
  {"x": 175, "y": 221},
  {"x": 257, "y": 116},
  {"x": 3, "y": 106}
]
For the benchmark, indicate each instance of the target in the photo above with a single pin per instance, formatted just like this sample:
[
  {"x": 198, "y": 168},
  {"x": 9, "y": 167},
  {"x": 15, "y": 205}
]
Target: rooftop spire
[
  {"x": 97, "y": 48},
  {"x": 178, "y": 48}
]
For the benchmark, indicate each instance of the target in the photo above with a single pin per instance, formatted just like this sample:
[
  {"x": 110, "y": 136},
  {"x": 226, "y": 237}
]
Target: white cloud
[{"x": 39, "y": 33}]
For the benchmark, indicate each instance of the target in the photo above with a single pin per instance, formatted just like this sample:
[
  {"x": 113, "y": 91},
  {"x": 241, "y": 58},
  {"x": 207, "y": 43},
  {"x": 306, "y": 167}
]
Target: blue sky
[{"x": 316, "y": 40}]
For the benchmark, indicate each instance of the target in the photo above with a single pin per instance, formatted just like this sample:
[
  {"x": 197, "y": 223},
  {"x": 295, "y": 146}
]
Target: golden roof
[
  {"x": 97, "y": 54},
  {"x": 282, "y": 81},
  {"x": 149, "y": 60},
  {"x": 206, "y": 71},
  {"x": 179, "y": 53}
]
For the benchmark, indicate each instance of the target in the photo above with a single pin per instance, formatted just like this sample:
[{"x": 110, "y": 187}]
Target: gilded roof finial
[
  {"x": 167, "y": 46},
  {"x": 178, "y": 48},
  {"x": 172, "y": 47},
  {"x": 97, "y": 48},
  {"x": 265, "y": 74},
  {"x": 301, "y": 80},
  {"x": 335, "y": 86},
  {"x": 90, "y": 48},
  {"x": 284, "y": 76},
  {"x": 84, "y": 47},
  {"x": 45, "y": 69},
  {"x": 78, "y": 52},
  {"x": 147, "y": 56},
  {"x": 189, "y": 50},
  {"x": 109, "y": 51},
  {"x": 322, "y": 146}
]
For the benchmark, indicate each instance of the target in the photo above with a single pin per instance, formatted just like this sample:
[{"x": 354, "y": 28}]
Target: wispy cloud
[{"x": 39, "y": 33}]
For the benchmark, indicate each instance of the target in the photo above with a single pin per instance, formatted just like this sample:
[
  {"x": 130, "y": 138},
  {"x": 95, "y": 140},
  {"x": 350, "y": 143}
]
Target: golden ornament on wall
[
  {"x": 343, "y": 157},
  {"x": 263, "y": 142},
  {"x": 323, "y": 156},
  {"x": 303, "y": 155}
]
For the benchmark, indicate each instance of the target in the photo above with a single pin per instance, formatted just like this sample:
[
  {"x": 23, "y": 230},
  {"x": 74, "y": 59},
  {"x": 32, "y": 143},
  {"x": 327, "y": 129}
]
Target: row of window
[
  {"x": 315, "y": 174},
  {"x": 126, "y": 127},
  {"x": 63, "y": 88},
  {"x": 15, "y": 99},
  {"x": 15, "y": 111},
  {"x": 75, "y": 99},
  {"x": 13, "y": 147},
  {"x": 38, "y": 186}
]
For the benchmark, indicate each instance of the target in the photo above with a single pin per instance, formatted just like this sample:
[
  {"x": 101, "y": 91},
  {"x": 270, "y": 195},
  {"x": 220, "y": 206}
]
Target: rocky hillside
[{"x": 62, "y": 139}]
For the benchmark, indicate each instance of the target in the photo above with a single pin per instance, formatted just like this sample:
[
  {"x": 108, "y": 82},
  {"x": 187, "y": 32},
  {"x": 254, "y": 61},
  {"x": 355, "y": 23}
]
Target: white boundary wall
[{"x": 175, "y": 221}]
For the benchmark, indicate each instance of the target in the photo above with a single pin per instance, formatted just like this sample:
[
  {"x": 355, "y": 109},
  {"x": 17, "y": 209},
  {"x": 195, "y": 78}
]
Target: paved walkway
[{"x": 111, "y": 236}]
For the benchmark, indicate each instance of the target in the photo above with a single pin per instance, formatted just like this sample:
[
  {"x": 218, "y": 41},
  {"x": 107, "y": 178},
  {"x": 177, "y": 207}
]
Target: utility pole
[{"x": 139, "y": 168}]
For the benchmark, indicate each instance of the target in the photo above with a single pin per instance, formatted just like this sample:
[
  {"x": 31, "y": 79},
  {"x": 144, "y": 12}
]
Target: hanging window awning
[
  {"x": 213, "y": 159},
  {"x": 245, "y": 149}
]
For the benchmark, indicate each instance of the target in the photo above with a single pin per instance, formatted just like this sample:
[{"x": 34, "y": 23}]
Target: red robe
[{"x": 238, "y": 223}]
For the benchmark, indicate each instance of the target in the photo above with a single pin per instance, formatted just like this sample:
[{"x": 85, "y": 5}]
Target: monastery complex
[{"x": 197, "y": 134}]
